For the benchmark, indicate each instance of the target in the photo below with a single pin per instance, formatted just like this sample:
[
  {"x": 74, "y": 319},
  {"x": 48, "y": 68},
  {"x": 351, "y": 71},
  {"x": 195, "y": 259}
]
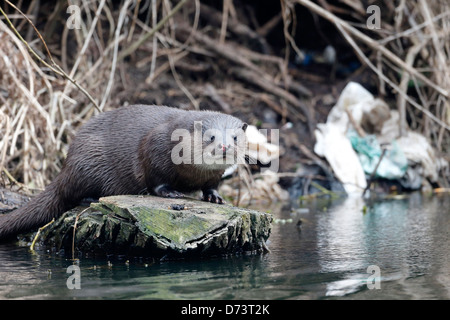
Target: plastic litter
[
  {"x": 354, "y": 155},
  {"x": 393, "y": 164},
  {"x": 259, "y": 148},
  {"x": 333, "y": 145}
]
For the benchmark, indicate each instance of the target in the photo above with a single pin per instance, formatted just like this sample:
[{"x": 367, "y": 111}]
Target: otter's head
[{"x": 223, "y": 141}]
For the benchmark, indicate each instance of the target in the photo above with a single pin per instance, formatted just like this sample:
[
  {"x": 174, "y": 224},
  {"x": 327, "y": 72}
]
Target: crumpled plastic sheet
[
  {"x": 409, "y": 159},
  {"x": 394, "y": 163}
]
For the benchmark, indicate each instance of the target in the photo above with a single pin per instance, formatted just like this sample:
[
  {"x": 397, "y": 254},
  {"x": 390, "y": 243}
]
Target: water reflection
[
  {"x": 407, "y": 239},
  {"x": 340, "y": 240}
]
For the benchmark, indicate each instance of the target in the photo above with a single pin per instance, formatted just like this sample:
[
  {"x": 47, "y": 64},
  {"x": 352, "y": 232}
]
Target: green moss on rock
[{"x": 153, "y": 226}]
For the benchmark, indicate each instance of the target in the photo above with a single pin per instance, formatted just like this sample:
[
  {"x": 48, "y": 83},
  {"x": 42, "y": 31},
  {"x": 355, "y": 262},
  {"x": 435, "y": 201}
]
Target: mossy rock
[{"x": 154, "y": 226}]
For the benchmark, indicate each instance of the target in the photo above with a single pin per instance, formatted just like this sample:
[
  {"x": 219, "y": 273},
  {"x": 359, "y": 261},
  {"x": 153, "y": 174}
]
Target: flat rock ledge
[{"x": 159, "y": 227}]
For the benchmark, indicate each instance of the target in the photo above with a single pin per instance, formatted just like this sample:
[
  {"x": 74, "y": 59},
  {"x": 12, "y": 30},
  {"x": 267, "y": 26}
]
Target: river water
[{"x": 344, "y": 249}]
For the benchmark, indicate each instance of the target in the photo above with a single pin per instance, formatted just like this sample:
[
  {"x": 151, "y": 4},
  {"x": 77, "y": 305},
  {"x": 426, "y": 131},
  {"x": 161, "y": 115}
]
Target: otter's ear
[{"x": 244, "y": 126}]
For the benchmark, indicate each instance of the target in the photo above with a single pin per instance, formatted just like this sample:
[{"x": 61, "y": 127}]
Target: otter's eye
[{"x": 212, "y": 138}]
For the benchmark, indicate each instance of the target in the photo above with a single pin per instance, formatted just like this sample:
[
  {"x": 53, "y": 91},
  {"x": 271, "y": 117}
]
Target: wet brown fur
[{"x": 125, "y": 151}]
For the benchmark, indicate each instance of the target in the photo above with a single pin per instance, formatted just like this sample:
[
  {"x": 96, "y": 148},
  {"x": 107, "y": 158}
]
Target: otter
[{"x": 136, "y": 150}]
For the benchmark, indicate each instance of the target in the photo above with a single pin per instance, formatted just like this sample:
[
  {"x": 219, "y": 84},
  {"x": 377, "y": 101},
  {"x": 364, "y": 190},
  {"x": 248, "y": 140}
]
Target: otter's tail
[{"x": 47, "y": 205}]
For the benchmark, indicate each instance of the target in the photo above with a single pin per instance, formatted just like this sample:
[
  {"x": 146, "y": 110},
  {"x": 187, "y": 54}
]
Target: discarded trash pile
[{"x": 361, "y": 142}]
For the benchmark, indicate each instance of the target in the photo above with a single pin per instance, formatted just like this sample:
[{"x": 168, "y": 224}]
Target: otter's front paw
[
  {"x": 211, "y": 195},
  {"x": 167, "y": 192}
]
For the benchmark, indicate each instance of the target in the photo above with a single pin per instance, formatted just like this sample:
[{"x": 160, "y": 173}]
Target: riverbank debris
[{"x": 361, "y": 140}]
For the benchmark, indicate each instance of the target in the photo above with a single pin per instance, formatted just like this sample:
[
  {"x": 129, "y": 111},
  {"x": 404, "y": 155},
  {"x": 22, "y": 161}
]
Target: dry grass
[{"x": 40, "y": 110}]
